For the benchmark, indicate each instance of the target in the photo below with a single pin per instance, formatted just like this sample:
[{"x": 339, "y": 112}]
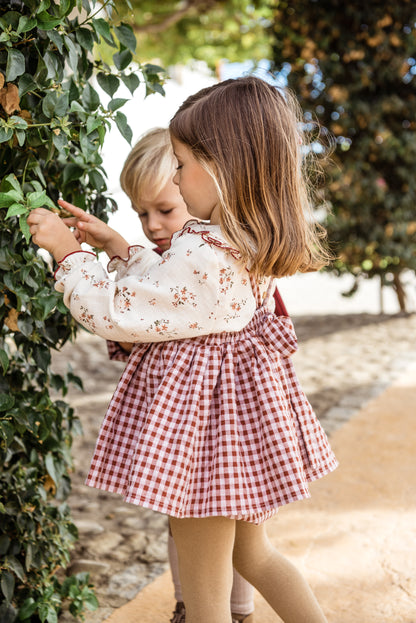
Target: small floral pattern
[
  {"x": 182, "y": 296},
  {"x": 197, "y": 287},
  {"x": 123, "y": 299}
]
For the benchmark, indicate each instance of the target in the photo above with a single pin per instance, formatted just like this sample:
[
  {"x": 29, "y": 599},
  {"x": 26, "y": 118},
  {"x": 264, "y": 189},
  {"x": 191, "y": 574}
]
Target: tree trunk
[
  {"x": 400, "y": 292},
  {"x": 381, "y": 295}
]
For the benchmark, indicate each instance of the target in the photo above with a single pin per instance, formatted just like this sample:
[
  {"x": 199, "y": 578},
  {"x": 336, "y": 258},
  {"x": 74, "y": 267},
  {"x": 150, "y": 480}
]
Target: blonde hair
[
  {"x": 247, "y": 135},
  {"x": 149, "y": 166}
]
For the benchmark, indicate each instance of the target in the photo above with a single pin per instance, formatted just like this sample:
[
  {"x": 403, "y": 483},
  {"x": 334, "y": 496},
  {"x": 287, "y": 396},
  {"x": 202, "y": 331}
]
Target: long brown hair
[{"x": 247, "y": 134}]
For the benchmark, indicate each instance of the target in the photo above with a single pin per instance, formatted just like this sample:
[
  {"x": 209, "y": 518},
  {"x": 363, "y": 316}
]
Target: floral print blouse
[{"x": 199, "y": 286}]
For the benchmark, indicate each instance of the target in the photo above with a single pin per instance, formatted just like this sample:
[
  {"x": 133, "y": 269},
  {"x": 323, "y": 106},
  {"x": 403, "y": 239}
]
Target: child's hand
[
  {"x": 50, "y": 232},
  {"x": 90, "y": 229}
]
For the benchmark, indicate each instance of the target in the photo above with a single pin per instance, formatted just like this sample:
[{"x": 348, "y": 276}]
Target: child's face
[
  {"x": 195, "y": 184},
  {"x": 162, "y": 215}
]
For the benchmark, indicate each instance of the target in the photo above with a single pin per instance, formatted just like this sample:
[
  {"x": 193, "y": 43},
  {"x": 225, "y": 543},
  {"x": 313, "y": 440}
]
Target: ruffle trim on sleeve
[
  {"x": 77, "y": 258},
  {"x": 208, "y": 237},
  {"x": 116, "y": 260}
]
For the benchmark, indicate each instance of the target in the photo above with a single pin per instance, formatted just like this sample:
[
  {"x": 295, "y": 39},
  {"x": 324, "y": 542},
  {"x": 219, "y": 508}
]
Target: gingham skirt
[{"x": 213, "y": 426}]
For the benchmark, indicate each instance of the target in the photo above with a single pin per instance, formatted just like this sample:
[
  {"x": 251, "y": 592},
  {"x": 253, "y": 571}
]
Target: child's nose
[
  {"x": 153, "y": 222},
  {"x": 175, "y": 179}
]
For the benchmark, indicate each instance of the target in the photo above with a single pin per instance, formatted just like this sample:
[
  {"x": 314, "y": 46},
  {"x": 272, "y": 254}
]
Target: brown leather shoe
[{"x": 179, "y": 613}]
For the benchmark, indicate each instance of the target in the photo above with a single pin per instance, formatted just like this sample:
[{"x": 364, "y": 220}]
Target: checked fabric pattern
[{"x": 216, "y": 425}]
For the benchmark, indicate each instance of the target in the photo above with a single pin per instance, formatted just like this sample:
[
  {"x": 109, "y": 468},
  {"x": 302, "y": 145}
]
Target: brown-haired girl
[{"x": 208, "y": 423}]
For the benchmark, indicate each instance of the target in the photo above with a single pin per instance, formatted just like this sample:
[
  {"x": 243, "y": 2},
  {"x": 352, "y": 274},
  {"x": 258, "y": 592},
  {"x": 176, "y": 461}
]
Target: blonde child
[
  {"x": 207, "y": 424},
  {"x": 147, "y": 179}
]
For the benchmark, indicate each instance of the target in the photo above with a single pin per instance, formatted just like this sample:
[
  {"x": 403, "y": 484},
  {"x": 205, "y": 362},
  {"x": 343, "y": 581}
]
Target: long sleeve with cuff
[{"x": 197, "y": 287}]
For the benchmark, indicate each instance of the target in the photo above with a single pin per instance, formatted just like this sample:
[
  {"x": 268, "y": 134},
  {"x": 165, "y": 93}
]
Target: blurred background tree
[
  {"x": 353, "y": 67},
  {"x": 203, "y": 30}
]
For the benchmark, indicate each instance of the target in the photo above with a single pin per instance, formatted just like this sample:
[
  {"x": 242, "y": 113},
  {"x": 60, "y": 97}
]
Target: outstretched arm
[
  {"x": 53, "y": 234},
  {"x": 94, "y": 232}
]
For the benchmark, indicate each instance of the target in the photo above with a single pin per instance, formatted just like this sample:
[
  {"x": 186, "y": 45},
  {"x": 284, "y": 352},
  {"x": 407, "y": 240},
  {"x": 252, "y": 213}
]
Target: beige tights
[{"x": 207, "y": 549}]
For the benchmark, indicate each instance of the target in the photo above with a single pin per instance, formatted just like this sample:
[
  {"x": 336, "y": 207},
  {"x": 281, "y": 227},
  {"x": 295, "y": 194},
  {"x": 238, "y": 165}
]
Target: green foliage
[
  {"x": 176, "y": 33},
  {"x": 52, "y": 126},
  {"x": 353, "y": 67}
]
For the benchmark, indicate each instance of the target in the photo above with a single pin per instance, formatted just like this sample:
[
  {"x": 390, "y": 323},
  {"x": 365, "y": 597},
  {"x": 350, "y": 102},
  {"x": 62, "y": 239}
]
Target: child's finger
[
  {"x": 71, "y": 221},
  {"x": 36, "y": 215},
  {"x": 89, "y": 227},
  {"x": 69, "y": 207}
]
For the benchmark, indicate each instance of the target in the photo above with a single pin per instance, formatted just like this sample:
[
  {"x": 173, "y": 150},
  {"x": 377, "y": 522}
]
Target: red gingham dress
[{"x": 213, "y": 426}]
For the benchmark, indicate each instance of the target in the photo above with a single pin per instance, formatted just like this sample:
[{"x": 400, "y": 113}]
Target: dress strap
[
  {"x": 260, "y": 301},
  {"x": 269, "y": 292}
]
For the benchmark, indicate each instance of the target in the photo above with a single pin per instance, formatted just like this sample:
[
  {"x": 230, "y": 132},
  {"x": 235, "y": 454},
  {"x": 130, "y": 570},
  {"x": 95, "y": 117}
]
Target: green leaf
[
  {"x": 8, "y": 613},
  {"x": 73, "y": 53},
  {"x": 24, "y": 228},
  {"x": 4, "y": 544},
  {"x": 116, "y": 103},
  {"x": 49, "y": 103},
  {"x": 154, "y": 87},
  {"x": 76, "y": 107},
  {"x": 97, "y": 180},
  {"x": 21, "y": 137},
  {"x": 56, "y": 39},
  {"x": 153, "y": 69},
  {"x": 72, "y": 172},
  {"x": 85, "y": 38},
  {"x": 123, "y": 126},
  {"x": 132, "y": 81},
  {"x": 43, "y": 6},
  {"x": 4, "y": 360},
  {"x": 93, "y": 123},
  {"x": 126, "y": 36},
  {"x": 29, "y": 557},
  {"x": 52, "y": 64},
  {"x": 18, "y": 122},
  {"x": 47, "y": 22},
  {"x": 16, "y": 567},
  {"x": 7, "y": 432},
  {"x": 65, "y": 7},
  {"x": 6, "y": 402},
  {"x": 5, "y": 132},
  {"x": 102, "y": 28},
  {"x": 91, "y": 601},
  {"x": 62, "y": 105},
  {"x": 48, "y": 304},
  {"x": 15, "y": 64},
  {"x": 39, "y": 199},
  {"x": 52, "y": 616},
  {"x": 122, "y": 59},
  {"x": 43, "y": 611},
  {"x": 13, "y": 181},
  {"x": 60, "y": 141},
  {"x": 16, "y": 209},
  {"x": 26, "y": 23},
  {"x": 108, "y": 82},
  {"x": 90, "y": 98},
  {"x": 26, "y": 84},
  {"x": 12, "y": 196},
  {"x": 50, "y": 468},
  {"x": 7, "y": 585},
  {"x": 10, "y": 19},
  {"x": 28, "y": 608}
]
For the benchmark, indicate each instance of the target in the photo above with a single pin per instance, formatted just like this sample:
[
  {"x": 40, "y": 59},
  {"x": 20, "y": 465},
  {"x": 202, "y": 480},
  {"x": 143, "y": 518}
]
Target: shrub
[{"x": 52, "y": 127}]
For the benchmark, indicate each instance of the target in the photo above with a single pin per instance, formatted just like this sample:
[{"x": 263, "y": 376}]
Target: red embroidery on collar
[{"x": 208, "y": 237}]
